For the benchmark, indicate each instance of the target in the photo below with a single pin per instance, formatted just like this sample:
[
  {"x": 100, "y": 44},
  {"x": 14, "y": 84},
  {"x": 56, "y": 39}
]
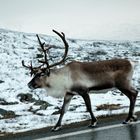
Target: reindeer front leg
[
  {"x": 131, "y": 93},
  {"x": 84, "y": 92},
  {"x": 88, "y": 105},
  {"x": 65, "y": 106}
]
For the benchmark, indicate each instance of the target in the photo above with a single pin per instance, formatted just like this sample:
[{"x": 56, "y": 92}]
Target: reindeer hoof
[
  {"x": 131, "y": 119},
  {"x": 135, "y": 118},
  {"x": 56, "y": 128},
  {"x": 93, "y": 124}
]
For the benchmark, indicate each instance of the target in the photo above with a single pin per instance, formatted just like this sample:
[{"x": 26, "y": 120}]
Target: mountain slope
[{"x": 36, "y": 111}]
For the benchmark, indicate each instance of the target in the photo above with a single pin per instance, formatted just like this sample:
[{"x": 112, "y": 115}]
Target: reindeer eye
[{"x": 42, "y": 74}]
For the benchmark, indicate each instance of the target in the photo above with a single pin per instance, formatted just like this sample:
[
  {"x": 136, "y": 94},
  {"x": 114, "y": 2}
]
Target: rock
[
  {"x": 43, "y": 104},
  {"x": 39, "y": 56},
  {"x": 7, "y": 114},
  {"x": 56, "y": 112},
  {"x": 1, "y": 81},
  {"x": 26, "y": 97},
  {"x": 39, "y": 102},
  {"x": 2, "y": 111},
  {"x": 3, "y": 102}
]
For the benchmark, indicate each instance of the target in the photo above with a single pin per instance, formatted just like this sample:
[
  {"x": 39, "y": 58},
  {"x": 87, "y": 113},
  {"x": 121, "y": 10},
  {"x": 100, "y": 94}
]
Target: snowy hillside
[{"x": 22, "y": 109}]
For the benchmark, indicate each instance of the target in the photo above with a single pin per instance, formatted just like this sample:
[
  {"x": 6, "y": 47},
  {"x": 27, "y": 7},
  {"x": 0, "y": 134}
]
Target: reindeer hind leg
[
  {"x": 131, "y": 93},
  {"x": 84, "y": 92},
  {"x": 89, "y": 108}
]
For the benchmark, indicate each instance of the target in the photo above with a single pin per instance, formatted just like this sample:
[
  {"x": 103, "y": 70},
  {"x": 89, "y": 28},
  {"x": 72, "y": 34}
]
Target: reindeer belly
[
  {"x": 96, "y": 86},
  {"x": 102, "y": 87}
]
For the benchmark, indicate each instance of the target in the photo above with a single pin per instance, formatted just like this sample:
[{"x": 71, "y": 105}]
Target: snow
[{"x": 18, "y": 46}]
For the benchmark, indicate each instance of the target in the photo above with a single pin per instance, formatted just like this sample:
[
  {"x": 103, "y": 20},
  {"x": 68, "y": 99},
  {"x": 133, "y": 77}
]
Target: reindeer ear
[{"x": 48, "y": 72}]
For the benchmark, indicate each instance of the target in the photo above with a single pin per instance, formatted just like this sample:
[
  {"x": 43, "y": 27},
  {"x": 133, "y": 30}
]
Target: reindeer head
[{"x": 42, "y": 72}]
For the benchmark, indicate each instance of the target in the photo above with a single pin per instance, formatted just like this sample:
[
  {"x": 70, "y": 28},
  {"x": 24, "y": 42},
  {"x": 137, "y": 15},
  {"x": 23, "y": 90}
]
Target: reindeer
[{"x": 79, "y": 78}]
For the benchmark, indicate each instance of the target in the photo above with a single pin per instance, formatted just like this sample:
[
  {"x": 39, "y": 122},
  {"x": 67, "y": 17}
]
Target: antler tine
[
  {"x": 62, "y": 36},
  {"x": 44, "y": 51},
  {"x": 40, "y": 43},
  {"x": 29, "y": 67},
  {"x": 23, "y": 64}
]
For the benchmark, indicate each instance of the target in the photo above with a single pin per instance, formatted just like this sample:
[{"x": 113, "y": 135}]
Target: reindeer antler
[
  {"x": 45, "y": 50},
  {"x": 45, "y": 54},
  {"x": 62, "y": 36},
  {"x": 29, "y": 67}
]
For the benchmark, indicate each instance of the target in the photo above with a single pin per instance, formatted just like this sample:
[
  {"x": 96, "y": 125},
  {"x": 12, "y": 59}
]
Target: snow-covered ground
[{"x": 37, "y": 112}]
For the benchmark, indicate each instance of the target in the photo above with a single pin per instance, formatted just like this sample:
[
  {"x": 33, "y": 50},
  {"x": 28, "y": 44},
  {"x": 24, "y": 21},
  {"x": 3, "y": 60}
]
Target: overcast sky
[{"x": 89, "y": 19}]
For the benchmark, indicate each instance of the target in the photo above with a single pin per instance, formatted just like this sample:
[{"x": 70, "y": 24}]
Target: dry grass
[{"x": 108, "y": 107}]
